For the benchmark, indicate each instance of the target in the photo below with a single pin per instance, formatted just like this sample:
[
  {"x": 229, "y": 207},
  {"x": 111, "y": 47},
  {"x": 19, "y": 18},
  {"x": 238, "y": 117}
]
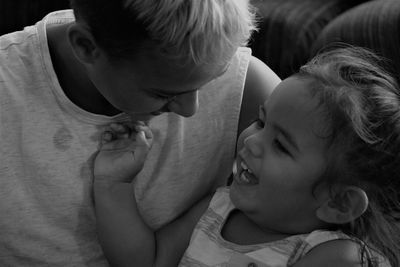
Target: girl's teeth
[
  {"x": 244, "y": 166},
  {"x": 247, "y": 178},
  {"x": 244, "y": 178}
]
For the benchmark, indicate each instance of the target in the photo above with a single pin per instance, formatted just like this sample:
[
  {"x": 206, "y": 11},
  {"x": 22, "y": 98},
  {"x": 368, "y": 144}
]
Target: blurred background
[{"x": 290, "y": 31}]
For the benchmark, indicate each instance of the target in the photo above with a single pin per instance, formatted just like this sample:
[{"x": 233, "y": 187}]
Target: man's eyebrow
[{"x": 287, "y": 135}]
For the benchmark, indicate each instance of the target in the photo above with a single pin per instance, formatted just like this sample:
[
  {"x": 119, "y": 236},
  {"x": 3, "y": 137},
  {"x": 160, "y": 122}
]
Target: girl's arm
[
  {"x": 335, "y": 253},
  {"x": 121, "y": 232},
  {"x": 173, "y": 239},
  {"x": 124, "y": 236},
  {"x": 128, "y": 241}
]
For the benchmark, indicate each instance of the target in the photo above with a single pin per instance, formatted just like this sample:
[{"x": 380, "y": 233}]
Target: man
[{"x": 63, "y": 80}]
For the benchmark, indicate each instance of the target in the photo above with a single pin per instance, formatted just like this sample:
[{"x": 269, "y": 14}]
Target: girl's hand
[{"x": 123, "y": 151}]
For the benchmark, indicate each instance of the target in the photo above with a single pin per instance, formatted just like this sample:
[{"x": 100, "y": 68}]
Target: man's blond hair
[{"x": 198, "y": 29}]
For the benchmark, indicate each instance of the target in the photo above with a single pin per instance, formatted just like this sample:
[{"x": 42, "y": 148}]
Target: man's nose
[{"x": 185, "y": 105}]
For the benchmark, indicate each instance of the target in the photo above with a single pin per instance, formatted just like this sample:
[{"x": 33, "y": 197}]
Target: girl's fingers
[
  {"x": 141, "y": 138},
  {"x": 118, "y": 145},
  {"x": 145, "y": 129},
  {"x": 148, "y": 134},
  {"x": 121, "y": 129},
  {"x": 140, "y": 123},
  {"x": 134, "y": 126},
  {"x": 106, "y": 137},
  {"x": 140, "y": 148},
  {"x": 118, "y": 136}
]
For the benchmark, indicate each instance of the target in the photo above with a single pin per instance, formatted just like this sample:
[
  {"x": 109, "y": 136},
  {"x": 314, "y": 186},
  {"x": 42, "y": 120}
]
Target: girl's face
[{"x": 280, "y": 157}]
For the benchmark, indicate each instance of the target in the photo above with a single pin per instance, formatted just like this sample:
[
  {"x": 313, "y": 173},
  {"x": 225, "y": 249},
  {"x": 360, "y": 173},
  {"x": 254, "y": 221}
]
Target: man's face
[{"x": 152, "y": 84}]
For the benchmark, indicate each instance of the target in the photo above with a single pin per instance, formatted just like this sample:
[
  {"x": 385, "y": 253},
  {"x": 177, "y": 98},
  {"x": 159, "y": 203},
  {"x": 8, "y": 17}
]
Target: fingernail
[{"x": 107, "y": 135}]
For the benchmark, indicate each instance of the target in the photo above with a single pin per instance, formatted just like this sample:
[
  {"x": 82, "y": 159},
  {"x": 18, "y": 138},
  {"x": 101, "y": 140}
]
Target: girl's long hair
[{"x": 361, "y": 101}]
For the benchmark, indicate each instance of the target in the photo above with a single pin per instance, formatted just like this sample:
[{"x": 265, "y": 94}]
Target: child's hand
[{"x": 123, "y": 151}]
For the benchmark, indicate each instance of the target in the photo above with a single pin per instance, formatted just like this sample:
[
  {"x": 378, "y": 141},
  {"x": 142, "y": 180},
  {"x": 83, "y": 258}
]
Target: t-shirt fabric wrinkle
[{"x": 48, "y": 144}]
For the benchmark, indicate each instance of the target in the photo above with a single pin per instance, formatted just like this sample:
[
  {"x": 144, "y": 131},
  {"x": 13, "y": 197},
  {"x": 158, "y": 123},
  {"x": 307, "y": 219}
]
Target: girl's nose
[
  {"x": 253, "y": 144},
  {"x": 185, "y": 105}
]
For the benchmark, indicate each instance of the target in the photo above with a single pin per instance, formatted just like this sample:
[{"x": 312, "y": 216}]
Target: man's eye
[
  {"x": 158, "y": 96},
  {"x": 258, "y": 123},
  {"x": 164, "y": 97}
]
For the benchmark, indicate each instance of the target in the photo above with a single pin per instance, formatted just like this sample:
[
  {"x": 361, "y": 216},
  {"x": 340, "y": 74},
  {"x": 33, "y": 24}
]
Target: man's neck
[{"x": 72, "y": 75}]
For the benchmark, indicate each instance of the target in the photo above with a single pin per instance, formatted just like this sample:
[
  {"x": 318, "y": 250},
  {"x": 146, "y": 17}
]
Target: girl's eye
[
  {"x": 280, "y": 146},
  {"x": 259, "y": 123}
]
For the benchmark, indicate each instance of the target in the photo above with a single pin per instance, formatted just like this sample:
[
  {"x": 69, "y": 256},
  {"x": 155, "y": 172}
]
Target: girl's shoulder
[
  {"x": 334, "y": 247},
  {"x": 220, "y": 202}
]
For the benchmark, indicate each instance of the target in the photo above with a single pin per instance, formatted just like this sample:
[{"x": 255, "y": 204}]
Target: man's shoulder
[
  {"x": 259, "y": 84},
  {"x": 17, "y": 38},
  {"x": 17, "y": 52},
  {"x": 260, "y": 80}
]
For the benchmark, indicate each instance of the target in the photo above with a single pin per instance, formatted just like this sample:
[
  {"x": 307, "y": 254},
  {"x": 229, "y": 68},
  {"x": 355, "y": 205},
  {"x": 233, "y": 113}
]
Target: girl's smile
[{"x": 244, "y": 175}]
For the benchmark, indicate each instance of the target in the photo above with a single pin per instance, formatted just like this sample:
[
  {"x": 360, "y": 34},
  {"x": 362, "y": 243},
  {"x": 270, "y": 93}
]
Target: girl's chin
[{"x": 239, "y": 194}]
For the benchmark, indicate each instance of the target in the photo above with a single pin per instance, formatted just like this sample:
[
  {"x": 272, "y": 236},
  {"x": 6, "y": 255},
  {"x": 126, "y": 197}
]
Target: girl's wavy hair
[
  {"x": 361, "y": 102},
  {"x": 200, "y": 30}
]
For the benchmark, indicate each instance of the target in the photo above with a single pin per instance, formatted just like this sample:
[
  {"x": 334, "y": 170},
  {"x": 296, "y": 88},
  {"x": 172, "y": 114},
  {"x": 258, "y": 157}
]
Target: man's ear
[
  {"x": 83, "y": 44},
  {"x": 345, "y": 205}
]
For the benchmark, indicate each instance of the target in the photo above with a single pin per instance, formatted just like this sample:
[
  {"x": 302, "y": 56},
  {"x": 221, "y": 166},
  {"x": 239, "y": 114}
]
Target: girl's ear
[
  {"x": 347, "y": 204},
  {"x": 83, "y": 44}
]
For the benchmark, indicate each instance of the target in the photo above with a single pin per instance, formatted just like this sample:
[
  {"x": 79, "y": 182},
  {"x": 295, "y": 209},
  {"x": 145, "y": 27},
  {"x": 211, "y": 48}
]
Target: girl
[{"x": 316, "y": 181}]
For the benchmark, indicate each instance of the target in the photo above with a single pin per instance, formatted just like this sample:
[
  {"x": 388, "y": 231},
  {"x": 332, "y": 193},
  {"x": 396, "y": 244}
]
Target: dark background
[
  {"x": 15, "y": 14},
  {"x": 290, "y": 31}
]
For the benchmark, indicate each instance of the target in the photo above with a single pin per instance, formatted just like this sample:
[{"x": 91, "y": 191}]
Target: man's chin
[
  {"x": 141, "y": 117},
  {"x": 145, "y": 117}
]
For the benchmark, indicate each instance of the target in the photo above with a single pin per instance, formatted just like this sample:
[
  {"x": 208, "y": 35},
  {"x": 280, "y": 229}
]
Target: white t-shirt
[{"x": 47, "y": 145}]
